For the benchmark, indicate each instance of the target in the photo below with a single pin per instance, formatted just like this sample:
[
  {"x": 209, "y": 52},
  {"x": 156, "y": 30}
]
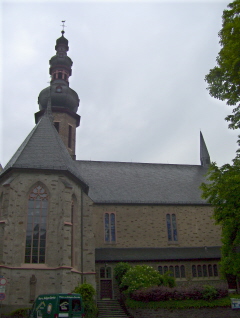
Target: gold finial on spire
[{"x": 63, "y": 26}]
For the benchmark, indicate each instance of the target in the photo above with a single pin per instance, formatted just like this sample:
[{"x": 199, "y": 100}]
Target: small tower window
[
  {"x": 56, "y": 124},
  {"x": 59, "y": 75}
]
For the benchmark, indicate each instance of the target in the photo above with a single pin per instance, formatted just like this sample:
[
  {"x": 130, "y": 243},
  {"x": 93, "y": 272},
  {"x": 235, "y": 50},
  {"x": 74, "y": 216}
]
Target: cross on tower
[{"x": 63, "y": 26}]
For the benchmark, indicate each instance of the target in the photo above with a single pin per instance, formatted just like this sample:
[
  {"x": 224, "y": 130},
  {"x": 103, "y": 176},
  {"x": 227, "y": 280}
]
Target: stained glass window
[
  {"x": 182, "y": 271},
  {"x": 169, "y": 227},
  {"x": 194, "y": 271},
  {"x": 172, "y": 227},
  {"x": 36, "y": 226},
  {"x": 205, "y": 270},
  {"x": 160, "y": 270},
  {"x": 171, "y": 270},
  {"x": 177, "y": 272},
  {"x": 199, "y": 270},
  {"x": 215, "y": 270},
  {"x": 110, "y": 227},
  {"x": 210, "y": 271}
]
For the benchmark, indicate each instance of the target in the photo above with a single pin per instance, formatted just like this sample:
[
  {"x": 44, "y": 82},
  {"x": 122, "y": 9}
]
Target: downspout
[{"x": 81, "y": 236}]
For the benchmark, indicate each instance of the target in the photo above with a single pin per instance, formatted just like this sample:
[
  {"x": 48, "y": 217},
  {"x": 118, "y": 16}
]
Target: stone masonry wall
[
  {"x": 62, "y": 269},
  {"x": 65, "y": 120},
  {"x": 145, "y": 226}
]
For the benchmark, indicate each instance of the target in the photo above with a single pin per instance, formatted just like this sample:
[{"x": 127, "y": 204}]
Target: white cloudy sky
[{"x": 138, "y": 67}]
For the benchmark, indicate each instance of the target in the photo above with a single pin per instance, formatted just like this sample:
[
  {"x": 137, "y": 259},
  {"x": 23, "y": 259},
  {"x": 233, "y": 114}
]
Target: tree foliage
[
  {"x": 223, "y": 193},
  {"x": 87, "y": 292},
  {"x": 224, "y": 79},
  {"x": 144, "y": 276},
  {"x": 120, "y": 270}
]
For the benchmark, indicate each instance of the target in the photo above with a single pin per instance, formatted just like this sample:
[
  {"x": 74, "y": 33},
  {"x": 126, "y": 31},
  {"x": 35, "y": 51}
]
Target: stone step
[{"x": 110, "y": 309}]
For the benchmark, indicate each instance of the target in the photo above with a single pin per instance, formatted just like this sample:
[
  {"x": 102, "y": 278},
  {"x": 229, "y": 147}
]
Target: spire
[
  {"x": 58, "y": 101},
  {"x": 204, "y": 155},
  {"x": 60, "y": 70}
]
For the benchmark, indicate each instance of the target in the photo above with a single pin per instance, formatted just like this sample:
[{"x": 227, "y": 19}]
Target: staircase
[{"x": 110, "y": 309}]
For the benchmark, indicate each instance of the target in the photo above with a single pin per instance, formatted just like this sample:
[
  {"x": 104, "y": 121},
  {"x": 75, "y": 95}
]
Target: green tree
[
  {"x": 224, "y": 79},
  {"x": 87, "y": 292},
  {"x": 223, "y": 192},
  {"x": 120, "y": 270},
  {"x": 144, "y": 276}
]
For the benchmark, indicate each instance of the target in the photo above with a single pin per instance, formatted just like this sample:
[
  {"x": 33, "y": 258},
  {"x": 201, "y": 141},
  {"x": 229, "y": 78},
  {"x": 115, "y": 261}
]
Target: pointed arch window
[
  {"x": 35, "y": 250},
  {"x": 110, "y": 230},
  {"x": 172, "y": 227}
]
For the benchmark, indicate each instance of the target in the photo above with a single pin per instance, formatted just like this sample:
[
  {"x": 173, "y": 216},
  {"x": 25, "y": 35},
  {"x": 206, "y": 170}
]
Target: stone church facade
[{"x": 65, "y": 221}]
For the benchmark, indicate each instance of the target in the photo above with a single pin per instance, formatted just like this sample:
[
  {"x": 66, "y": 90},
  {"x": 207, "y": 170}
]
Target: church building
[{"x": 65, "y": 221}]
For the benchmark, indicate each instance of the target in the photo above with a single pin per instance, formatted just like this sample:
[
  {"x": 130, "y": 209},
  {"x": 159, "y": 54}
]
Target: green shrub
[
  {"x": 120, "y": 270},
  {"x": 86, "y": 291},
  {"x": 90, "y": 309},
  {"x": 168, "y": 280},
  {"x": 140, "y": 276},
  {"x": 21, "y": 312},
  {"x": 209, "y": 292}
]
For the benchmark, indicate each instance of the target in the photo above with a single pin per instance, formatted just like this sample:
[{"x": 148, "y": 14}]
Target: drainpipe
[{"x": 81, "y": 236}]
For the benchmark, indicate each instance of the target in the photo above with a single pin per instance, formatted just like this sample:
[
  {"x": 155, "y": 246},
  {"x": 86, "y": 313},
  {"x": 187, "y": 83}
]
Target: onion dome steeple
[
  {"x": 64, "y": 101},
  {"x": 60, "y": 70}
]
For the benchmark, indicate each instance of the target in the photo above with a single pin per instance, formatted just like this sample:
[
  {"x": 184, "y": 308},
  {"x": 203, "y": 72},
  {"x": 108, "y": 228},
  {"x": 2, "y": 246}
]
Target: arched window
[
  {"x": 160, "y": 269},
  {"x": 177, "y": 272},
  {"x": 171, "y": 270},
  {"x": 182, "y": 271},
  {"x": 172, "y": 227},
  {"x": 110, "y": 230},
  {"x": 35, "y": 250}
]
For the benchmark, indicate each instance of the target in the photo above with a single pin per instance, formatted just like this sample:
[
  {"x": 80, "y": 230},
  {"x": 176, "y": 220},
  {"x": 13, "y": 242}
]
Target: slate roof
[
  {"x": 126, "y": 182},
  {"x": 156, "y": 254},
  {"x": 44, "y": 149}
]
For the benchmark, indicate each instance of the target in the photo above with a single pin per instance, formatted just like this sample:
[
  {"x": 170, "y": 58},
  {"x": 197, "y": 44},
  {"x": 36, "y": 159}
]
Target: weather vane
[{"x": 63, "y": 26}]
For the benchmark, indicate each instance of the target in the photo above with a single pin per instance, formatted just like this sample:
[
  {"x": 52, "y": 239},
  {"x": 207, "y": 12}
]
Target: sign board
[
  {"x": 2, "y": 289},
  {"x": 3, "y": 281},
  {"x": 235, "y": 303},
  {"x": 2, "y": 296}
]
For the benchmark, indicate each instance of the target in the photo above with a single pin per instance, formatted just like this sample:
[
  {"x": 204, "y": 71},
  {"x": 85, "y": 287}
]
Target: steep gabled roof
[
  {"x": 143, "y": 183},
  {"x": 44, "y": 149}
]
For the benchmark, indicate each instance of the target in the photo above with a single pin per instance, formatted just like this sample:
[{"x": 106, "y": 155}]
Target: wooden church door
[{"x": 106, "y": 291}]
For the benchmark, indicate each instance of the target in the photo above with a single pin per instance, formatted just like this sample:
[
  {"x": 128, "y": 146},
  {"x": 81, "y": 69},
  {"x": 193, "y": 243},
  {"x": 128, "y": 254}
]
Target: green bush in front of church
[
  {"x": 87, "y": 292},
  {"x": 144, "y": 276}
]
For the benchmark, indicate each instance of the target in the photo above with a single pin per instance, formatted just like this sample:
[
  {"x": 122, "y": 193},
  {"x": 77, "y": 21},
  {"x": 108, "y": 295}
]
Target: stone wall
[
  {"x": 69, "y": 242},
  {"x": 145, "y": 226}
]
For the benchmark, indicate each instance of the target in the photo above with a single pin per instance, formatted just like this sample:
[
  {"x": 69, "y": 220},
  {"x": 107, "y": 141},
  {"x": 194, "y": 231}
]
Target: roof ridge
[{"x": 139, "y": 163}]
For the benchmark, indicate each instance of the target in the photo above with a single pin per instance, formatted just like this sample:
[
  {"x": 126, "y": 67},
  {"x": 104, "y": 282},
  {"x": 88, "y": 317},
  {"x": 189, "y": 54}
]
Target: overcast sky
[{"x": 138, "y": 68}]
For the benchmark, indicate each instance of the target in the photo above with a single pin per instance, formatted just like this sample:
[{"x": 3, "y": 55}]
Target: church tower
[{"x": 64, "y": 100}]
